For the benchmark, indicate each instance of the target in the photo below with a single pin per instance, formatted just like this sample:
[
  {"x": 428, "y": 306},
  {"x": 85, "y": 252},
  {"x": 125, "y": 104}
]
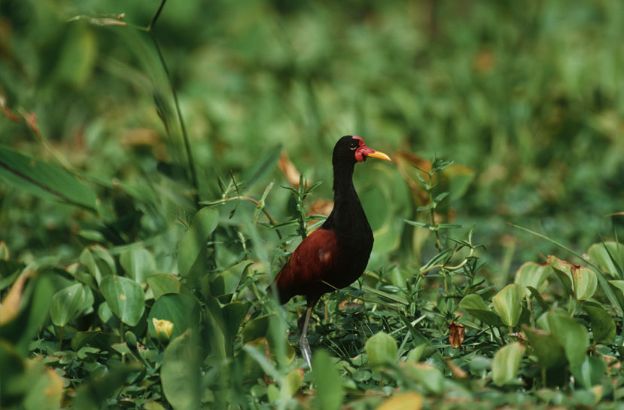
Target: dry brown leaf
[
  {"x": 6, "y": 111},
  {"x": 289, "y": 170},
  {"x": 321, "y": 207},
  {"x": 145, "y": 137},
  {"x": 457, "y": 371},
  {"x": 31, "y": 122},
  {"x": 484, "y": 61},
  {"x": 456, "y": 334}
]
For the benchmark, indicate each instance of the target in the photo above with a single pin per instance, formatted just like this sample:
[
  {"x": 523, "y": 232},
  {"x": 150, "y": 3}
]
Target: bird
[{"x": 336, "y": 254}]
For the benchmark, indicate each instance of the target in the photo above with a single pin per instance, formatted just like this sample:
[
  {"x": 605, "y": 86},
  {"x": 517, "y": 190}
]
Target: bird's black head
[{"x": 352, "y": 148}]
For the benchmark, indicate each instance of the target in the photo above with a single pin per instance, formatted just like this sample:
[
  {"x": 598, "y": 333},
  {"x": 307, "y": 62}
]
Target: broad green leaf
[
  {"x": 562, "y": 271},
  {"x": 381, "y": 349},
  {"x": 273, "y": 393},
  {"x": 426, "y": 375},
  {"x": 591, "y": 372},
  {"x": 104, "y": 312},
  {"x": 181, "y": 310},
  {"x": 506, "y": 363},
  {"x": 98, "y": 262},
  {"x": 542, "y": 322},
  {"x": 328, "y": 382},
  {"x": 163, "y": 283},
  {"x": 508, "y": 304},
  {"x": 124, "y": 297},
  {"x": 416, "y": 353},
  {"x": 233, "y": 315},
  {"x": 69, "y": 303},
  {"x": 474, "y": 305},
  {"x": 216, "y": 339},
  {"x": 194, "y": 240},
  {"x": 292, "y": 383},
  {"x": 180, "y": 373},
  {"x": 226, "y": 282},
  {"x": 609, "y": 256},
  {"x": 138, "y": 263},
  {"x": 582, "y": 281},
  {"x": 546, "y": 347},
  {"x": 585, "y": 283},
  {"x": 619, "y": 284},
  {"x": 44, "y": 179},
  {"x": 255, "y": 328},
  {"x": 532, "y": 274},
  {"x": 571, "y": 335},
  {"x": 45, "y": 391},
  {"x": 602, "y": 323}
]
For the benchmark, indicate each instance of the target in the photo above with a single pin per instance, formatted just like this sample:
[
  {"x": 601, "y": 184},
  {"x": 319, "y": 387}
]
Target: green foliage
[
  {"x": 571, "y": 335},
  {"x": 327, "y": 381},
  {"x": 381, "y": 349},
  {"x": 69, "y": 303},
  {"x": 193, "y": 243},
  {"x": 506, "y": 363},
  {"x": 181, "y": 310},
  {"x": 43, "y": 179},
  {"x": 508, "y": 304},
  {"x": 180, "y": 375},
  {"x": 144, "y": 217},
  {"x": 124, "y": 297}
]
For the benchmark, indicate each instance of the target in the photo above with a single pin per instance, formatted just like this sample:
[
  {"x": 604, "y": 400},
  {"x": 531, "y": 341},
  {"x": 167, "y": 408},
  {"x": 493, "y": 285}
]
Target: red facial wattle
[{"x": 363, "y": 151}]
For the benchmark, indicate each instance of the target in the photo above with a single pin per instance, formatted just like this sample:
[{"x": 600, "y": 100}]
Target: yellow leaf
[
  {"x": 54, "y": 391},
  {"x": 403, "y": 401},
  {"x": 9, "y": 308}
]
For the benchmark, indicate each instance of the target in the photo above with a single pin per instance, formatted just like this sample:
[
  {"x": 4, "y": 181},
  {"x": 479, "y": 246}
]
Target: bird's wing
[{"x": 311, "y": 263}]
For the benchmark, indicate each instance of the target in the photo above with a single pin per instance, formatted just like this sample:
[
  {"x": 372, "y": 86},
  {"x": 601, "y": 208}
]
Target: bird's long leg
[{"x": 303, "y": 340}]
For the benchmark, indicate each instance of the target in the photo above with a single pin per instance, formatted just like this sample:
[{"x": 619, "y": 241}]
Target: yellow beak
[{"x": 379, "y": 155}]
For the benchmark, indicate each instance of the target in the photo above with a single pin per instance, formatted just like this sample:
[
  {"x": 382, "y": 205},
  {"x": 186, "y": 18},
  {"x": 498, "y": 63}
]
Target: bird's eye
[{"x": 354, "y": 145}]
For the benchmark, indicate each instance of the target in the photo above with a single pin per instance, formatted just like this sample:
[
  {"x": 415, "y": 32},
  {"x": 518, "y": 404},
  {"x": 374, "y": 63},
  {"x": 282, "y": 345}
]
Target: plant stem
[{"x": 174, "y": 94}]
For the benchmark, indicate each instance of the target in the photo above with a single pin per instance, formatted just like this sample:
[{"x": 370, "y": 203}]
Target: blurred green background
[
  {"x": 525, "y": 97},
  {"x": 114, "y": 133}
]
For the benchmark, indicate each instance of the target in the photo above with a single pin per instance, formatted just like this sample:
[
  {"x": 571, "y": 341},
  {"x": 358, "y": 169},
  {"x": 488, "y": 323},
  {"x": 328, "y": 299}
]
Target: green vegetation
[{"x": 159, "y": 164}]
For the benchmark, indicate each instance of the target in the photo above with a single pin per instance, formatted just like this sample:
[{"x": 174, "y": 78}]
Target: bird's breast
[{"x": 351, "y": 260}]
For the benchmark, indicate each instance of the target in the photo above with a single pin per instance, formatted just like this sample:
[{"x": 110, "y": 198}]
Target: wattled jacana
[{"x": 336, "y": 254}]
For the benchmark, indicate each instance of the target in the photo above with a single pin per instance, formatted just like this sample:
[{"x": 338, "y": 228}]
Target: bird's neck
[
  {"x": 343, "y": 183},
  {"x": 347, "y": 218}
]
